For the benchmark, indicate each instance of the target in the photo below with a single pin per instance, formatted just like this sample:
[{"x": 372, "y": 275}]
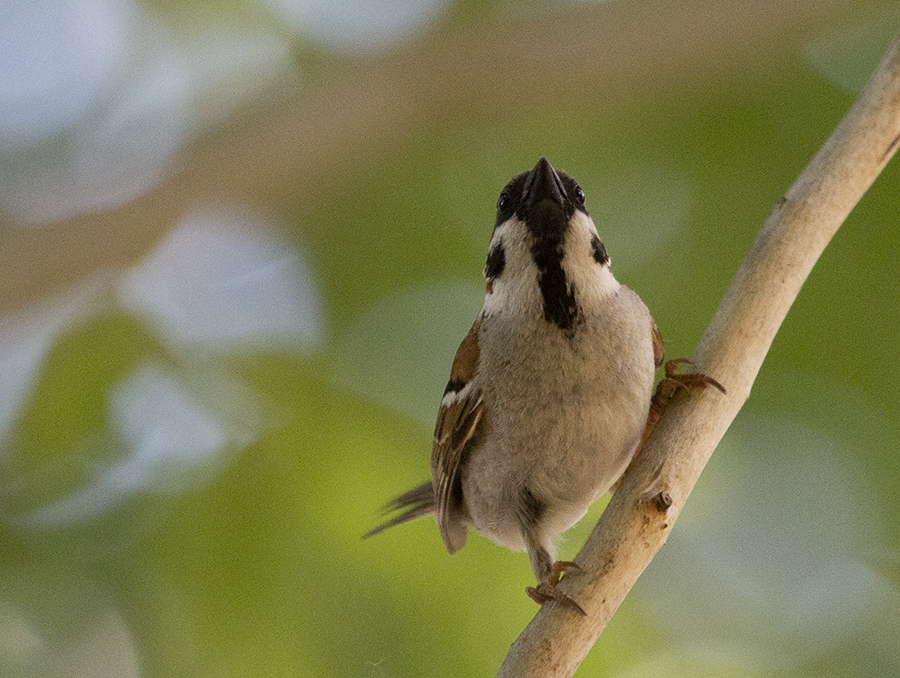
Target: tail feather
[{"x": 416, "y": 503}]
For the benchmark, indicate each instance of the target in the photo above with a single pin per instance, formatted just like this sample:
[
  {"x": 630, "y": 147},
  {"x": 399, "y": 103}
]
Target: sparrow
[{"x": 550, "y": 392}]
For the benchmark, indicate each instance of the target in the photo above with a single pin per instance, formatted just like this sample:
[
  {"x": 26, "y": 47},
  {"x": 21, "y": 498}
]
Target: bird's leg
[
  {"x": 548, "y": 574},
  {"x": 666, "y": 388}
]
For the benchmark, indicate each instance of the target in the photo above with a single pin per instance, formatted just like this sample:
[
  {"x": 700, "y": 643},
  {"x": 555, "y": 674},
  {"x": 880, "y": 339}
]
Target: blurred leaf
[{"x": 399, "y": 351}]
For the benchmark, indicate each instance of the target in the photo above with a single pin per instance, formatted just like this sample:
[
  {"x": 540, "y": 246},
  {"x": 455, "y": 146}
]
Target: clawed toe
[
  {"x": 545, "y": 592},
  {"x": 691, "y": 380},
  {"x": 559, "y": 567}
]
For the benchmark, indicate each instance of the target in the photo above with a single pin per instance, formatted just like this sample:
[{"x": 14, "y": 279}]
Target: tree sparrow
[{"x": 550, "y": 391}]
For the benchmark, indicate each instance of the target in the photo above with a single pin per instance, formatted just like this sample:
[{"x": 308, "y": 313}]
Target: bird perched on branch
[{"x": 550, "y": 391}]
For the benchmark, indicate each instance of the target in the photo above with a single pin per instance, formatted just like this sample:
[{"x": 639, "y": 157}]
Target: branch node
[{"x": 661, "y": 500}]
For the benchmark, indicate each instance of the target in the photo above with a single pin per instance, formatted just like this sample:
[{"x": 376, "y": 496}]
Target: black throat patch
[{"x": 548, "y": 227}]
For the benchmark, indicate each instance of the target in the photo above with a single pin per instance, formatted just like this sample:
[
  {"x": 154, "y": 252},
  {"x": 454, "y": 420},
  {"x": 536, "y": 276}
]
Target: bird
[{"x": 549, "y": 395}]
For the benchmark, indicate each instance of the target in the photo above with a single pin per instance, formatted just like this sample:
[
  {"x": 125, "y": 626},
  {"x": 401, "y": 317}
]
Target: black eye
[
  {"x": 579, "y": 195},
  {"x": 502, "y": 201}
]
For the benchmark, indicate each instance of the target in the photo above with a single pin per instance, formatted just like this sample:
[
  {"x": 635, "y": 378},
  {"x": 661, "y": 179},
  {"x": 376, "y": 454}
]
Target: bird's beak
[{"x": 543, "y": 183}]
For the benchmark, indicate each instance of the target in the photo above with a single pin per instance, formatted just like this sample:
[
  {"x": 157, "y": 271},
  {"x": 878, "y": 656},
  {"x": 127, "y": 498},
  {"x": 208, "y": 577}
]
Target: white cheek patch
[
  {"x": 493, "y": 299},
  {"x": 580, "y": 265},
  {"x": 499, "y": 235},
  {"x": 519, "y": 273}
]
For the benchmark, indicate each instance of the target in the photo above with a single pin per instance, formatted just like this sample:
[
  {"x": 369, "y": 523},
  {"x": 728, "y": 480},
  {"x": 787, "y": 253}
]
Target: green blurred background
[{"x": 240, "y": 241}]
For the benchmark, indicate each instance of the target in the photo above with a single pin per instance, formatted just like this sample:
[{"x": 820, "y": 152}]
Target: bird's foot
[
  {"x": 664, "y": 392},
  {"x": 546, "y": 590},
  {"x": 692, "y": 380},
  {"x": 667, "y": 388}
]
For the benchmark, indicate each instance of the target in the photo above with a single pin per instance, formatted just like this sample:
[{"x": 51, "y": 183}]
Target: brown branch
[{"x": 641, "y": 514}]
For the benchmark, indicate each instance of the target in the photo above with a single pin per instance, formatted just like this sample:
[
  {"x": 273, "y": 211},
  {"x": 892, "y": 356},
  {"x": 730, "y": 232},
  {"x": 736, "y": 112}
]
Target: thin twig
[{"x": 640, "y": 516}]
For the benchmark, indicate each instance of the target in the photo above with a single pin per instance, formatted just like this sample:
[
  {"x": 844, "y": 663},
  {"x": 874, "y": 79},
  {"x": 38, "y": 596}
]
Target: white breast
[{"x": 565, "y": 412}]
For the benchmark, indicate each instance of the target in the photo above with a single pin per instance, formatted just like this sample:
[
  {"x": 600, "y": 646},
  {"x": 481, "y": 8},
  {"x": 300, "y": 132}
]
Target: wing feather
[
  {"x": 458, "y": 421},
  {"x": 659, "y": 352}
]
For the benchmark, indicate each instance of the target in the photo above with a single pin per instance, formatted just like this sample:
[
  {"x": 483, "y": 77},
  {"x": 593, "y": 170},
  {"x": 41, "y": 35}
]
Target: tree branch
[{"x": 640, "y": 516}]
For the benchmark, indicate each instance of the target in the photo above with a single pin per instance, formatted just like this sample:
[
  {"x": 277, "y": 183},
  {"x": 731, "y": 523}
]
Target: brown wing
[
  {"x": 458, "y": 420},
  {"x": 659, "y": 353}
]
